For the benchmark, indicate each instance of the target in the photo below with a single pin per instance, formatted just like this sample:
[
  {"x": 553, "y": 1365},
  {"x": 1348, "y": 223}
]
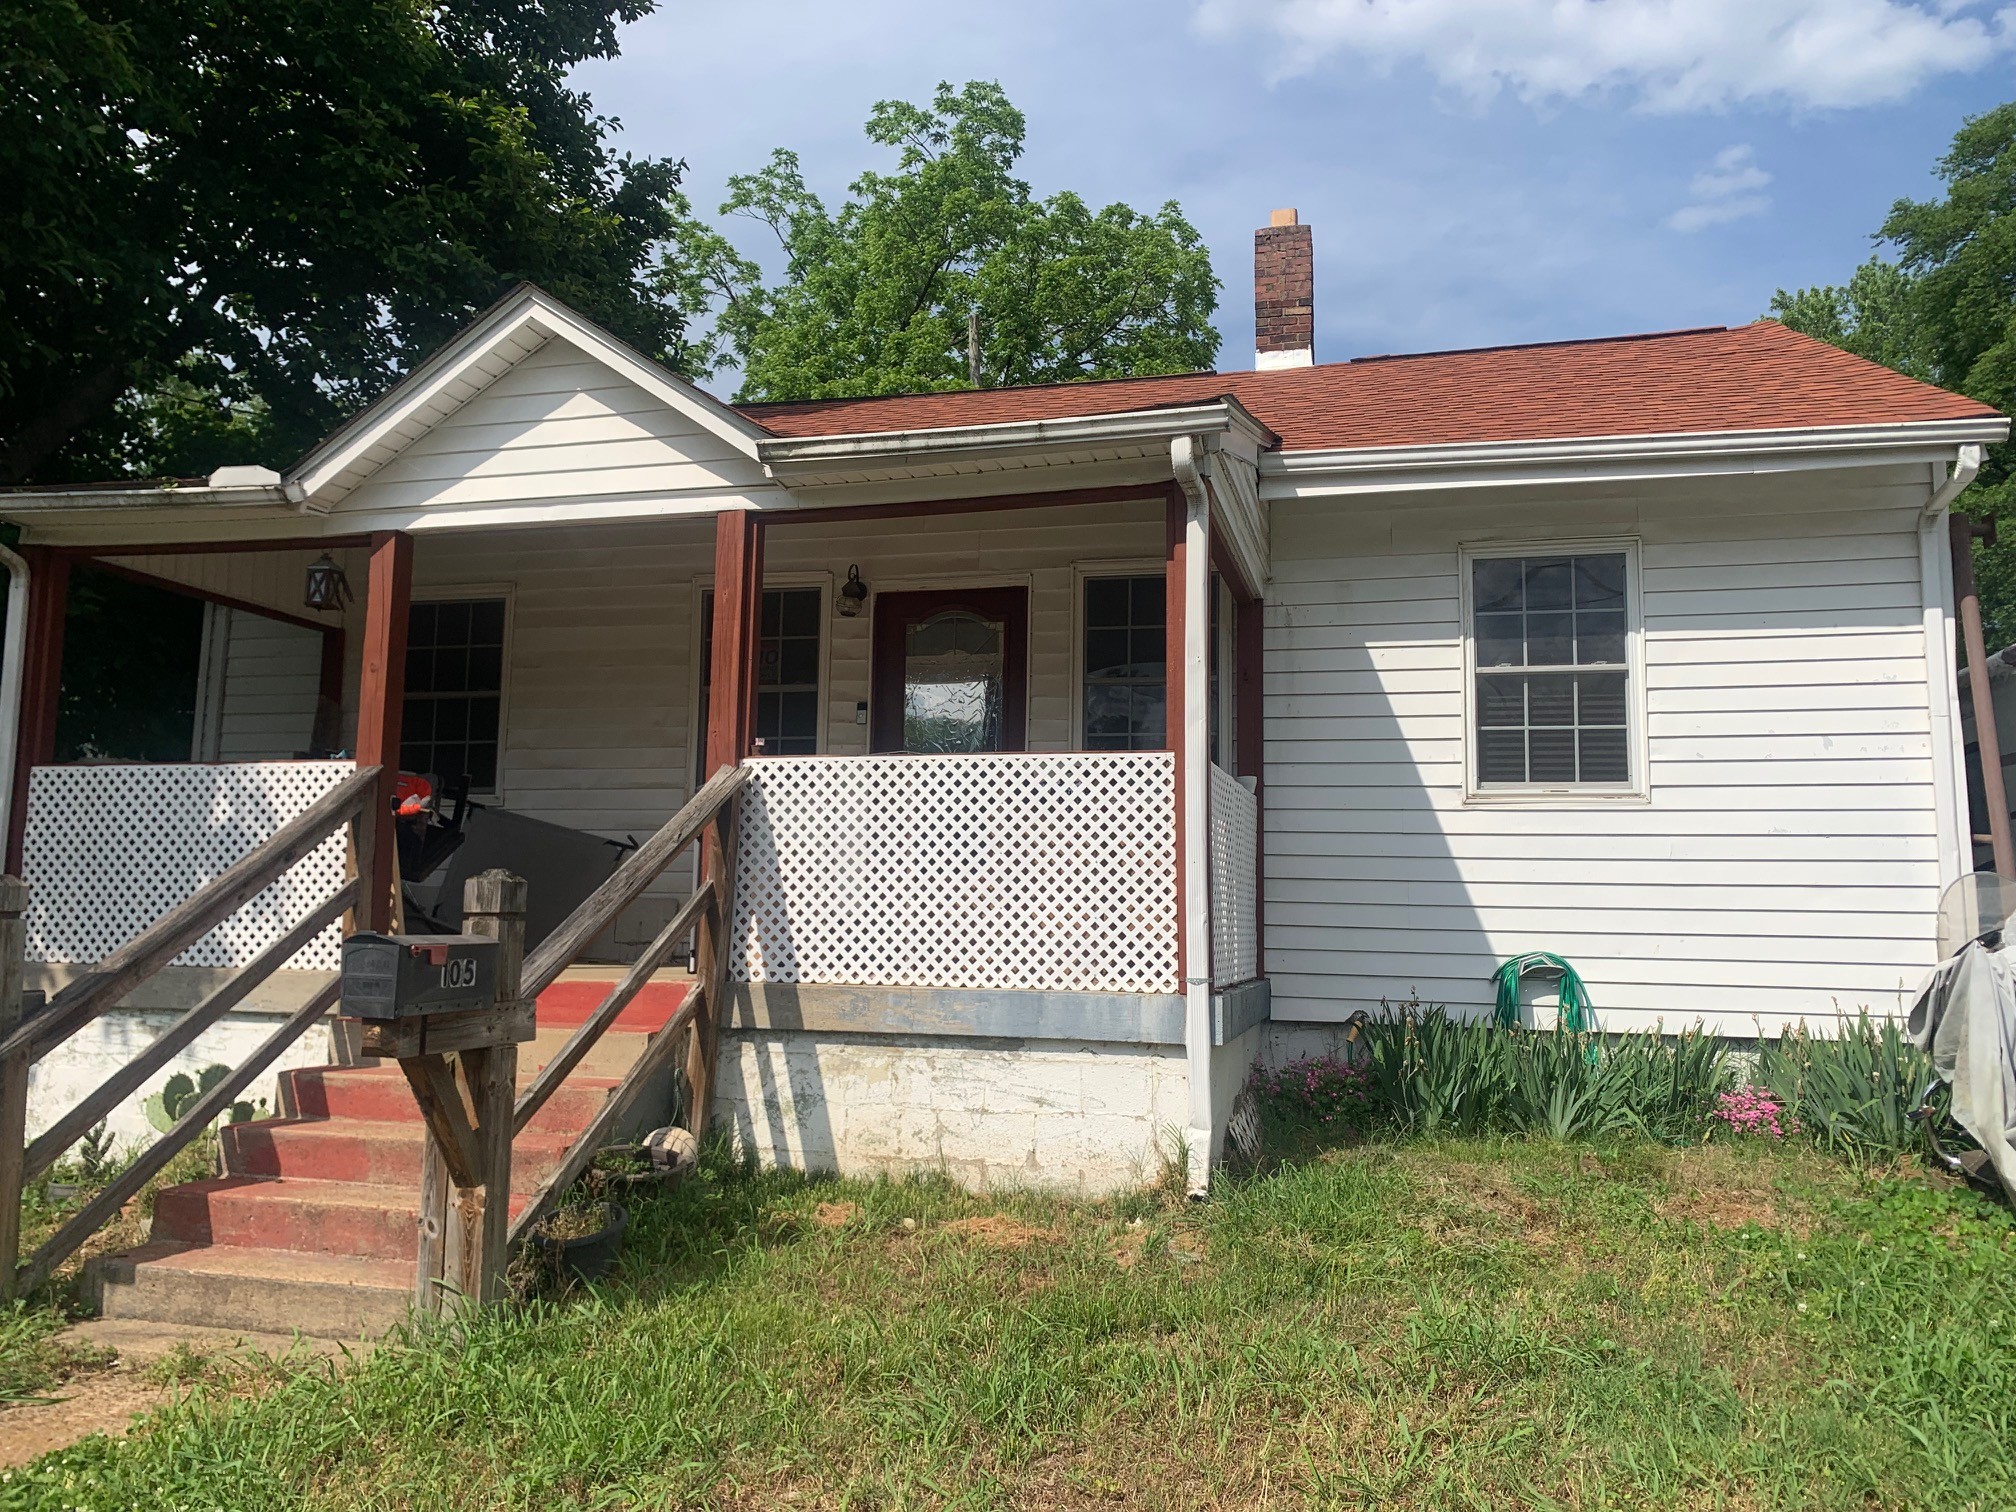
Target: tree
[
  {"x": 947, "y": 273},
  {"x": 1872, "y": 315},
  {"x": 232, "y": 223},
  {"x": 1945, "y": 311}
]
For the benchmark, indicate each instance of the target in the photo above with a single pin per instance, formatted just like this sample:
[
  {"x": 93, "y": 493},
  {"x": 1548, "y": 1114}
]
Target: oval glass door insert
[{"x": 954, "y": 669}]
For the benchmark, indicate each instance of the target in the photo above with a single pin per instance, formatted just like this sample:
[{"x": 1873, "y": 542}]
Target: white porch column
[{"x": 1191, "y": 562}]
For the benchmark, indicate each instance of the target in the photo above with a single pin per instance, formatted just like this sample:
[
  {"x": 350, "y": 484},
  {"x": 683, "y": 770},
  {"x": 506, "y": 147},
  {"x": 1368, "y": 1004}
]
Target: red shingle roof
[{"x": 1755, "y": 377}]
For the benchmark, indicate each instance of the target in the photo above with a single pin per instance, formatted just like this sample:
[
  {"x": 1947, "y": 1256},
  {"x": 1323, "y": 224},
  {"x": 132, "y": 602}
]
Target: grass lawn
[{"x": 1422, "y": 1324}]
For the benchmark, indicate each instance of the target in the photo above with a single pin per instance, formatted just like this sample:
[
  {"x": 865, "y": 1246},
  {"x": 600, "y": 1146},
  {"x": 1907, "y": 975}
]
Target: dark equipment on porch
[
  {"x": 561, "y": 866},
  {"x": 403, "y": 976}
]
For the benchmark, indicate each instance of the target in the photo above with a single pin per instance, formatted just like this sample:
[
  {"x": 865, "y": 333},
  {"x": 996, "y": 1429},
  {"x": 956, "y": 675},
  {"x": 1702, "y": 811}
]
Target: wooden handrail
[
  {"x": 638, "y": 871},
  {"x": 657, "y": 1055},
  {"x": 175, "y": 931},
  {"x": 112, "y": 981},
  {"x": 583, "y": 1039},
  {"x": 708, "y": 905},
  {"x": 128, "y": 1079},
  {"x": 205, "y": 1111}
]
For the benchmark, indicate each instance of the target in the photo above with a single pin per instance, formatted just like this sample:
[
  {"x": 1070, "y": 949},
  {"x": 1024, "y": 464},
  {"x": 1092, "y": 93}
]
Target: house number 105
[{"x": 460, "y": 971}]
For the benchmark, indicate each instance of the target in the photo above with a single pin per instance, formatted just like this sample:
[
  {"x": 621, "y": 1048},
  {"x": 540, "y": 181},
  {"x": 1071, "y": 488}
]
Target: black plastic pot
[{"x": 589, "y": 1257}]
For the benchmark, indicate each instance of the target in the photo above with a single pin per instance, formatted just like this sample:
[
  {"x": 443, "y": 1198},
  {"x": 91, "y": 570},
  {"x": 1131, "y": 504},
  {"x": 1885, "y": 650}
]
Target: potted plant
[{"x": 581, "y": 1240}]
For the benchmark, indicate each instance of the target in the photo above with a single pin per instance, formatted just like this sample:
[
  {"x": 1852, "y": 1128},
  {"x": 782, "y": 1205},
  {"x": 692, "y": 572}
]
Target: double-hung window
[
  {"x": 454, "y": 690},
  {"x": 1124, "y": 681},
  {"x": 1552, "y": 699},
  {"x": 787, "y": 673}
]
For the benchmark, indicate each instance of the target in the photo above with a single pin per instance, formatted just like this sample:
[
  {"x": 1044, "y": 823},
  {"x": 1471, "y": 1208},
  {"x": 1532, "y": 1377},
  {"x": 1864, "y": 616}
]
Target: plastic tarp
[{"x": 1965, "y": 1019}]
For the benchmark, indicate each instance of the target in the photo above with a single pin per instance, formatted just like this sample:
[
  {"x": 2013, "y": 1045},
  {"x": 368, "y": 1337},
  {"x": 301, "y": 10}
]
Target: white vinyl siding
[
  {"x": 557, "y": 426},
  {"x": 257, "y": 686},
  {"x": 1786, "y": 863}
]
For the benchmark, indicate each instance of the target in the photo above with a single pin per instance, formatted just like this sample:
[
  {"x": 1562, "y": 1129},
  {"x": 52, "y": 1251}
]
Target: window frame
[
  {"x": 1637, "y": 787},
  {"x": 1081, "y": 573},
  {"x": 449, "y": 593},
  {"x": 703, "y": 585}
]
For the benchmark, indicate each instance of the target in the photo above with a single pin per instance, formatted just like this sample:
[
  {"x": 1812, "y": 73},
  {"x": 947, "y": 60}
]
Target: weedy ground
[
  {"x": 1432, "y": 1323},
  {"x": 34, "y": 1357}
]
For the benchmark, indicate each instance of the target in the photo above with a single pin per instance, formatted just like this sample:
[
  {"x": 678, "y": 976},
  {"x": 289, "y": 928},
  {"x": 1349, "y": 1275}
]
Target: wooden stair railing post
[
  {"x": 704, "y": 1046},
  {"x": 468, "y": 1104},
  {"x": 13, "y": 1081}
]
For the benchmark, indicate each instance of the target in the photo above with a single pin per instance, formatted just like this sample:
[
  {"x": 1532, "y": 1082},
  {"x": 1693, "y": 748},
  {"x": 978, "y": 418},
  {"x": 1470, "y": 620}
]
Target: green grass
[
  {"x": 34, "y": 1362},
  {"x": 1440, "y": 1323}
]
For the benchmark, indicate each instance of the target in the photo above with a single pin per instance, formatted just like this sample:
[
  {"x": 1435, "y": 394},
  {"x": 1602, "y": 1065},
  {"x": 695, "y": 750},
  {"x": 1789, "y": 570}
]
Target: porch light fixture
[
  {"x": 853, "y": 594},
  {"x": 327, "y": 587}
]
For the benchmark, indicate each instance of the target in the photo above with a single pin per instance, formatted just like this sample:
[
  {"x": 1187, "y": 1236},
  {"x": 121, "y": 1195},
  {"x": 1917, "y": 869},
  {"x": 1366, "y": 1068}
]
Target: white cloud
[
  {"x": 1670, "y": 55},
  {"x": 1728, "y": 190}
]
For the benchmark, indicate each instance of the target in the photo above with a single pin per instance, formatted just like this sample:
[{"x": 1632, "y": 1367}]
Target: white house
[{"x": 1106, "y": 736}]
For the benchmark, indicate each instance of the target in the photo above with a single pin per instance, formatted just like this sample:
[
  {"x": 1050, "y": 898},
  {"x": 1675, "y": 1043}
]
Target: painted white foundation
[
  {"x": 77, "y": 1067},
  {"x": 1085, "y": 1118}
]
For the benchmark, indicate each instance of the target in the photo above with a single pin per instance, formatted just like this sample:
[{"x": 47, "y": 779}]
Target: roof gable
[{"x": 526, "y": 326}]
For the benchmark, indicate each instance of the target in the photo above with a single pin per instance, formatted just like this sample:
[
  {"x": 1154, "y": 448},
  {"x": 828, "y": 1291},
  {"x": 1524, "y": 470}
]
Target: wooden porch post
[
  {"x": 41, "y": 683},
  {"x": 1249, "y": 739},
  {"x": 731, "y": 724},
  {"x": 381, "y": 700},
  {"x": 13, "y": 1084}
]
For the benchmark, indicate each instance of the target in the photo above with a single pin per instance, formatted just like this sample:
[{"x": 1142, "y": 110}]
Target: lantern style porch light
[
  {"x": 327, "y": 588},
  {"x": 853, "y": 594}
]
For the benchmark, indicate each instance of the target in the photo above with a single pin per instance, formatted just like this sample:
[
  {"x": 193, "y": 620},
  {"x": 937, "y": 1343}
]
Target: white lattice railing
[
  {"x": 1032, "y": 871},
  {"x": 1235, "y": 892},
  {"x": 110, "y": 849}
]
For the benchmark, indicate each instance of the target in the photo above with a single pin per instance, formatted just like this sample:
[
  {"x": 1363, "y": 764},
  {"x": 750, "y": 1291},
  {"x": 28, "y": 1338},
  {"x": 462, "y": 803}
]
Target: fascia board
[
  {"x": 92, "y": 503},
  {"x": 895, "y": 449},
  {"x": 1305, "y": 474}
]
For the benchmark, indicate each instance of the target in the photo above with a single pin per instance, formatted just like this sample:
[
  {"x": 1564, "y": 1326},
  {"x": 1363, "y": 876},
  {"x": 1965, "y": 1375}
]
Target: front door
[{"x": 951, "y": 671}]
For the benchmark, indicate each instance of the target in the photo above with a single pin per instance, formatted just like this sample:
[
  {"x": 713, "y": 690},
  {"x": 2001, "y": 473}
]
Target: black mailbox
[{"x": 406, "y": 976}]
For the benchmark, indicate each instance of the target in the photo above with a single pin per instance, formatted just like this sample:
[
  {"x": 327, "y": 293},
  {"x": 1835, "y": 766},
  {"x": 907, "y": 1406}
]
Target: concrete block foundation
[{"x": 1089, "y": 1118}]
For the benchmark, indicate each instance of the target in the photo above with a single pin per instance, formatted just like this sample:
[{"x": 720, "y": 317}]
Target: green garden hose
[{"x": 1577, "y": 1013}]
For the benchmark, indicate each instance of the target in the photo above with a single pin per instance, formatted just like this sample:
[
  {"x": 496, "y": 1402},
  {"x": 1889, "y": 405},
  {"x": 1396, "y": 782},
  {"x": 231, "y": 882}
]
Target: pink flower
[{"x": 1752, "y": 1111}]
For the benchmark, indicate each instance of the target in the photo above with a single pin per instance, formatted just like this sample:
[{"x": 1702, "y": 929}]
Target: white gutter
[
  {"x": 13, "y": 659},
  {"x": 1942, "y": 655},
  {"x": 1294, "y": 474},
  {"x": 1190, "y": 461},
  {"x": 1966, "y": 467},
  {"x": 227, "y": 486},
  {"x": 786, "y": 454}
]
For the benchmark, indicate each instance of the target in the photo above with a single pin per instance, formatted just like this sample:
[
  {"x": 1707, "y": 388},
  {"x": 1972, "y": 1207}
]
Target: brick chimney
[{"x": 1284, "y": 294}]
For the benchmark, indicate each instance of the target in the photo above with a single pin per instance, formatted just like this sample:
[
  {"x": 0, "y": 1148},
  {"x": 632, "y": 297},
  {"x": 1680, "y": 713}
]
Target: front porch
[{"x": 1027, "y": 959}]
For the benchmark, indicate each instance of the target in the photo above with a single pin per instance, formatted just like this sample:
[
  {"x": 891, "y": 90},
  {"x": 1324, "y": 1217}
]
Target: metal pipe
[
  {"x": 1963, "y": 530},
  {"x": 1190, "y": 465}
]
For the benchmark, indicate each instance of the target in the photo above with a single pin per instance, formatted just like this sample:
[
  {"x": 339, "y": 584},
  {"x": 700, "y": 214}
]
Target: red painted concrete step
[
  {"x": 367, "y": 1153},
  {"x": 316, "y": 1225},
  {"x": 295, "y": 1213},
  {"x": 570, "y": 1000},
  {"x": 381, "y": 1094}
]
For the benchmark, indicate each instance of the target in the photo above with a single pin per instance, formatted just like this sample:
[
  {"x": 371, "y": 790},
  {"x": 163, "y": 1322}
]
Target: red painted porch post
[
  {"x": 738, "y": 599},
  {"x": 1249, "y": 734},
  {"x": 41, "y": 683},
  {"x": 731, "y": 724},
  {"x": 381, "y": 703}
]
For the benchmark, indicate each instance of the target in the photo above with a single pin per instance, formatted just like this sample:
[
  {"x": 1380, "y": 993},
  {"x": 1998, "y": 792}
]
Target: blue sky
[{"x": 1476, "y": 171}]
